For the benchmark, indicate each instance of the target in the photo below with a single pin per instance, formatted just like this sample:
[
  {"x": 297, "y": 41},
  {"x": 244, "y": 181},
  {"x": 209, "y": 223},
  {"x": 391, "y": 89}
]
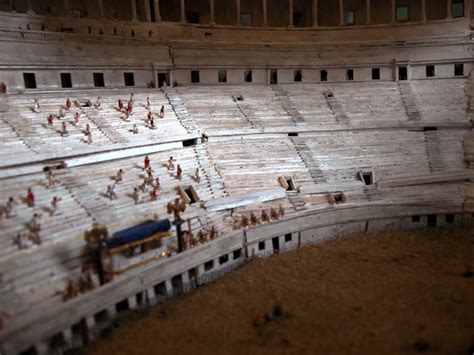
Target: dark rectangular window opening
[
  {"x": 324, "y": 75},
  {"x": 350, "y": 74},
  {"x": 191, "y": 193},
  {"x": 348, "y": 17},
  {"x": 236, "y": 254},
  {"x": 129, "y": 79},
  {"x": 375, "y": 73},
  {"x": 195, "y": 77},
  {"x": 208, "y": 265},
  {"x": 163, "y": 79},
  {"x": 192, "y": 16},
  {"x": 367, "y": 177},
  {"x": 293, "y": 134},
  {"x": 222, "y": 76},
  {"x": 457, "y": 8},
  {"x": 66, "y": 81},
  {"x": 288, "y": 237},
  {"x": 402, "y": 14},
  {"x": 122, "y": 306},
  {"x": 430, "y": 71},
  {"x": 402, "y": 73},
  {"x": 261, "y": 245},
  {"x": 140, "y": 298},
  {"x": 459, "y": 69},
  {"x": 160, "y": 289},
  {"x": 415, "y": 219},
  {"x": 432, "y": 220},
  {"x": 273, "y": 77},
  {"x": 276, "y": 244},
  {"x": 449, "y": 218},
  {"x": 223, "y": 259},
  {"x": 190, "y": 142},
  {"x": 29, "y": 80},
  {"x": 99, "y": 80},
  {"x": 297, "y": 76},
  {"x": 298, "y": 19},
  {"x": 248, "y": 76},
  {"x": 426, "y": 129}
]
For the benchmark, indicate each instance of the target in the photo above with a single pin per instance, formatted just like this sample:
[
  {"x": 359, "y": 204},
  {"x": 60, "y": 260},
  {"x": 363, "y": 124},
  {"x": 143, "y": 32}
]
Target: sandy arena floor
[{"x": 368, "y": 294}]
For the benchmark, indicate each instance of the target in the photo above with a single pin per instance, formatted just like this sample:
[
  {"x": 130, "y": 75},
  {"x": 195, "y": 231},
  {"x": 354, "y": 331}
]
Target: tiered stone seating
[{"x": 12, "y": 143}]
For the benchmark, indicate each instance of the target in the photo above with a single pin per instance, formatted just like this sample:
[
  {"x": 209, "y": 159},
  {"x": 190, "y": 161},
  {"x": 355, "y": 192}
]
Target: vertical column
[
  {"x": 423, "y": 11},
  {"x": 450, "y": 7},
  {"x": 29, "y": 7},
  {"x": 394, "y": 10},
  {"x": 315, "y": 13},
  {"x": 100, "y": 5},
  {"x": 367, "y": 14},
  {"x": 183, "y": 12},
  {"x": 265, "y": 21},
  {"x": 146, "y": 9},
  {"x": 290, "y": 12},
  {"x": 237, "y": 5},
  {"x": 66, "y": 7},
  {"x": 133, "y": 5},
  {"x": 341, "y": 12},
  {"x": 211, "y": 6},
  {"x": 10, "y": 3},
  {"x": 157, "y": 11}
]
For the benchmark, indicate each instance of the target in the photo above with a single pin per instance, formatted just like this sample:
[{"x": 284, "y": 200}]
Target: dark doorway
[
  {"x": 276, "y": 245},
  {"x": 297, "y": 76},
  {"x": 99, "y": 80},
  {"x": 375, "y": 73},
  {"x": 195, "y": 76},
  {"x": 430, "y": 71},
  {"x": 298, "y": 19},
  {"x": 273, "y": 77},
  {"x": 402, "y": 73},
  {"x": 350, "y": 74},
  {"x": 29, "y": 80},
  {"x": 129, "y": 79},
  {"x": 432, "y": 220},
  {"x": 163, "y": 79},
  {"x": 248, "y": 76},
  {"x": 192, "y": 16},
  {"x": 66, "y": 81},
  {"x": 459, "y": 69},
  {"x": 324, "y": 75},
  {"x": 151, "y": 4}
]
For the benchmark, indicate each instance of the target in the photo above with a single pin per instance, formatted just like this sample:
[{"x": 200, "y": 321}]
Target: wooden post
[
  {"x": 211, "y": 6},
  {"x": 368, "y": 14},
  {"x": 265, "y": 20},
  {"x": 394, "y": 11},
  {"x": 157, "y": 11},
  {"x": 183, "y": 12},
  {"x": 450, "y": 9},
  {"x": 237, "y": 5},
  {"x": 290, "y": 11},
  {"x": 341, "y": 13},
  {"x": 133, "y": 4},
  {"x": 423, "y": 11},
  {"x": 315, "y": 13}
]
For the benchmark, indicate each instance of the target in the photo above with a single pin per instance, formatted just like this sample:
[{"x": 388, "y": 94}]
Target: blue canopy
[{"x": 139, "y": 232}]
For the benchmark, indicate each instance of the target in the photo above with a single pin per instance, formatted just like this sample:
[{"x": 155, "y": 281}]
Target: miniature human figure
[
  {"x": 144, "y": 185},
  {"x": 120, "y": 105},
  {"x": 10, "y": 207},
  {"x": 148, "y": 104},
  {"x": 98, "y": 103},
  {"x": 35, "y": 228},
  {"x": 245, "y": 221},
  {"x": 149, "y": 117},
  {"x": 62, "y": 112},
  {"x": 155, "y": 192},
  {"x": 136, "y": 196},
  {"x": 54, "y": 205},
  {"x": 51, "y": 181},
  {"x": 130, "y": 108},
  {"x": 89, "y": 103},
  {"x": 197, "y": 178},
  {"x": 135, "y": 129},
  {"x": 213, "y": 233},
  {"x": 162, "y": 111},
  {"x": 50, "y": 120},
  {"x": 170, "y": 163},
  {"x": 273, "y": 213},
  {"x": 149, "y": 173},
  {"x": 150, "y": 33},
  {"x": 179, "y": 172},
  {"x": 36, "y": 106},
  {"x": 157, "y": 183},
  {"x": 89, "y": 137},
  {"x": 68, "y": 104},
  {"x": 281, "y": 211},
  {"x": 115, "y": 31},
  {"x": 152, "y": 123},
  {"x": 132, "y": 33},
  {"x": 21, "y": 241},
  {"x": 264, "y": 216},
  {"x": 30, "y": 198},
  {"x": 132, "y": 95},
  {"x": 77, "y": 115},
  {"x": 64, "y": 131},
  {"x": 110, "y": 192},
  {"x": 28, "y": 27},
  {"x": 119, "y": 176},
  {"x": 146, "y": 162},
  {"x": 88, "y": 129},
  {"x": 253, "y": 218}
]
